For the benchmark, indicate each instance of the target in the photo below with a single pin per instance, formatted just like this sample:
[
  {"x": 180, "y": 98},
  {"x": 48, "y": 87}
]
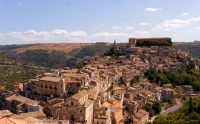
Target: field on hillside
[
  {"x": 54, "y": 55},
  {"x": 15, "y": 71},
  {"x": 63, "y": 47},
  {"x": 192, "y": 47}
]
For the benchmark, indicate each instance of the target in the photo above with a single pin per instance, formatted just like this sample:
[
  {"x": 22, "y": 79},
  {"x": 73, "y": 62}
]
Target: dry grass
[
  {"x": 63, "y": 47},
  {"x": 178, "y": 43}
]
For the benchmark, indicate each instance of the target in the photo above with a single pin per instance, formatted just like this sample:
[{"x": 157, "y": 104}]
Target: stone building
[
  {"x": 141, "y": 117},
  {"x": 75, "y": 81},
  {"x": 127, "y": 75},
  {"x": 50, "y": 86},
  {"x": 78, "y": 108},
  {"x": 19, "y": 104},
  {"x": 116, "y": 112}
]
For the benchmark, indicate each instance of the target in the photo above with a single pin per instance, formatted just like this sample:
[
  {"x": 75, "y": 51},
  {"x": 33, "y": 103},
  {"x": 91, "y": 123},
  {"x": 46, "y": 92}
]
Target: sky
[{"x": 89, "y": 21}]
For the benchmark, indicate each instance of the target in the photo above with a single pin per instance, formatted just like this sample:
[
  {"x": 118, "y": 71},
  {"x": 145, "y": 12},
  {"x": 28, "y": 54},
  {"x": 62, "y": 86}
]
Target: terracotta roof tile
[
  {"x": 51, "y": 79},
  {"x": 80, "y": 94}
]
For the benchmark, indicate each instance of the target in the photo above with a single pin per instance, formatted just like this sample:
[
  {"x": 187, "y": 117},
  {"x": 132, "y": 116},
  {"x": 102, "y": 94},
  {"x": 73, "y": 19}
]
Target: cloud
[
  {"x": 141, "y": 32},
  {"x": 116, "y": 27},
  {"x": 114, "y": 35},
  {"x": 197, "y": 27},
  {"x": 32, "y": 35},
  {"x": 129, "y": 28},
  {"x": 189, "y": 32},
  {"x": 174, "y": 24},
  {"x": 102, "y": 24},
  {"x": 145, "y": 24},
  {"x": 184, "y": 14},
  {"x": 106, "y": 35},
  {"x": 152, "y": 9},
  {"x": 19, "y": 4},
  {"x": 60, "y": 35}
]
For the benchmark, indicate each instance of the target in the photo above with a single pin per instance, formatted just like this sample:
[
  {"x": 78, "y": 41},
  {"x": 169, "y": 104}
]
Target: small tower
[
  {"x": 62, "y": 91},
  {"x": 64, "y": 97},
  {"x": 132, "y": 42},
  {"x": 115, "y": 45}
]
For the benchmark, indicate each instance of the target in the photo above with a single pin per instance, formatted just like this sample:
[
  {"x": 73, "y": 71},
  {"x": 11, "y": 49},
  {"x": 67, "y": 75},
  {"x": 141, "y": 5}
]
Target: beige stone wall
[
  {"x": 49, "y": 88},
  {"x": 100, "y": 121}
]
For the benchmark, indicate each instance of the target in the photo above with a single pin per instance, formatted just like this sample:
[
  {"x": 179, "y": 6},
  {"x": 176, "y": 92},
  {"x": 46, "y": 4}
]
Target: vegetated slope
[
  {"x": 15, "y": 71},
  {"x": 192, "y": 48},
  {"x": 45, "y": 58},
  {"x": 91, "y": 50},
  {"x": 11, "y": 47},
  {"x": 53, "y": 55},
  {"x": 78, "y": 54},
  {"x": 49, "y": 55},
  {"x": 191, "y": 77},
  {"x": 188, "y": 114},
  {"x": 63, "y": 47}
]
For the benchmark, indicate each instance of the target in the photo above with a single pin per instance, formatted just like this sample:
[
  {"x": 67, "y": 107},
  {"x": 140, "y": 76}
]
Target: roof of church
[
  {"x": 51, "y": 79},
  {"x": 80, "y": 94}
]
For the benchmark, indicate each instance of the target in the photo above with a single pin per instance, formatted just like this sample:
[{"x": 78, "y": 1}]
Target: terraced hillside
[
  {"x": 192, "y": 47},
  {"x": 15, "y": 71},
  {"x": 53, "y": 55}
]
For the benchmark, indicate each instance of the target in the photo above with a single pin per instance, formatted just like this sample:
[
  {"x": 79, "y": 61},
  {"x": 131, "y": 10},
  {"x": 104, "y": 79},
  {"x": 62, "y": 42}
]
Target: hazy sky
[{"x": 47, "y": 21}]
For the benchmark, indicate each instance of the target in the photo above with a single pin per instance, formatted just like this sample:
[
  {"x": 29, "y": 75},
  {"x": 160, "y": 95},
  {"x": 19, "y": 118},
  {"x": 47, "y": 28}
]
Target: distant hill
[
  {"x": 59, "y": 55},
  {"x": 192, "y": 47},
  {"x": 53, "y": 55},
  {"x": 14, "y": 71}
]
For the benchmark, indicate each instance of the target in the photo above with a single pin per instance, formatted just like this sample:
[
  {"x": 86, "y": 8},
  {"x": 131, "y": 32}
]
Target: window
[
  {"x": 80, "y": 111},
  {"x": 72, "y": 103}
]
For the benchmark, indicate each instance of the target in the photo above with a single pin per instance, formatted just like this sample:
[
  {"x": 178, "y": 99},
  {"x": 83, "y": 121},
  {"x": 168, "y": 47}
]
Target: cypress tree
[{"x": 190, "y": 105}]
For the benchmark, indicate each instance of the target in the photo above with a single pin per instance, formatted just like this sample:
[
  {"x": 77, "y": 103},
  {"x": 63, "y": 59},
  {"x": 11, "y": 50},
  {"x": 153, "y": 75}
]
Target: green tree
[
  {"x": 151, "y": 113},
  {"x": 190, "y": 66},
  {"x": 134, "y": 80},
  {"x": 114, "y": 121},
  {"x": 161, "y": 120},
  {"x": 183, "y": 98},
  {"x": 147, "y": 108},
  {"x": 128, "y": 120},
  {"x": 151, "y": 77},
  {"x": 181, "y": 121},
  {"x": 193, "y": 116},
  {"x": 156, "y": 107},
  {"x": 198, "y": 108},
  {"x": 79, "y": 65},
  {"x": 190, "y": 105}
]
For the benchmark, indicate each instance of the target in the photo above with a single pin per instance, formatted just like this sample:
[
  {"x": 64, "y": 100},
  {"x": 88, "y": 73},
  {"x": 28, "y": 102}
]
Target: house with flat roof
[{"x": 141, "y": 117}]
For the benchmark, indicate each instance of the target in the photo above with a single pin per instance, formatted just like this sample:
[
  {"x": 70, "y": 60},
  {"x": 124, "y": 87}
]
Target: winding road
[{"x": 166, "y": 112}]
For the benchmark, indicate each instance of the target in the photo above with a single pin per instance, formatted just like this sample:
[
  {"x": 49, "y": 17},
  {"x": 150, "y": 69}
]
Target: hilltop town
[{"x": 109, "y": 88}]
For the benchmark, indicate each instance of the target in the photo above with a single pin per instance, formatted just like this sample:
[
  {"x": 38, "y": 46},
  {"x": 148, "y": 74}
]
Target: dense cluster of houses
[{"x": 99, "y": 92}]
